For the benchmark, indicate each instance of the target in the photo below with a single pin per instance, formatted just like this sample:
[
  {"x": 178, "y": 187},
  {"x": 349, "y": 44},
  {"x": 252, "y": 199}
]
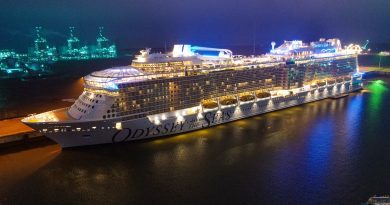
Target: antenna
[
  {"x": 71, "y": 30},
  {"x": 254, "y": 38},
  {"x": 366, "y": 44},
  {"x": 273, "y": 45},
  {"x": 38, "y": 30},
  {"x": 101, "y": 30}
]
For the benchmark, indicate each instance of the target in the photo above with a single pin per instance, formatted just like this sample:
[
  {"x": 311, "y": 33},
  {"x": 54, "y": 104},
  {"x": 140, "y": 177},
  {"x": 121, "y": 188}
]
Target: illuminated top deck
[
  {"x": 117, "y": 72},
  {"x": 187, "y": 60}
]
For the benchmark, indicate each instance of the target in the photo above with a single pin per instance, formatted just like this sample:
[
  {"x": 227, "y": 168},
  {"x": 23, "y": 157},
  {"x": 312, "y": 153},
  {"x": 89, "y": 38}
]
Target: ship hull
[{"x": 103, "y": 132}]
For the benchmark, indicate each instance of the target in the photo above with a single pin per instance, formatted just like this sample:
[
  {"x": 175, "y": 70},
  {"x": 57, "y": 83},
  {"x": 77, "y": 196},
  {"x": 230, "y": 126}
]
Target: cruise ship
[{"x": 195, "y": 87}]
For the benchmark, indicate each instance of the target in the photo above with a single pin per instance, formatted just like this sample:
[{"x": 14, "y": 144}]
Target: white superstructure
[{"x": 196, "y": 87}]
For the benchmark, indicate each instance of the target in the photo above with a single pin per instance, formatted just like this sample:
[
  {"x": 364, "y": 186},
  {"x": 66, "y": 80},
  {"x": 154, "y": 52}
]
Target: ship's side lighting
[
  {"x": 163, "y": 117},
  {"x": 195, "y": 109},
  {"x": 156, "y": 120},
  {"x": 254, "y": 105},
  {"x": 118, "y": 125},
  {"x": 180, "y": 118}
]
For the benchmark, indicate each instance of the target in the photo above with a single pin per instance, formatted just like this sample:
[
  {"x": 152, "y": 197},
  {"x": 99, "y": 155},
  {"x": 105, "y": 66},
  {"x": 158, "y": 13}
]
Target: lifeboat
[
  {"x": 331, "y": 82},
  {"x": 321, "y": 83},
  {"x": 245, "y": 98},
  {"x": 263, "y": 94},
  {"x": 210, "y": 104},
  {"x": 228, "y": 101}
]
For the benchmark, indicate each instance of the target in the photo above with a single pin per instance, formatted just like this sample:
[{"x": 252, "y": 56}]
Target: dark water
[
  {"x": 327, "y": 152},
  {"x": 374, "y": 60}
]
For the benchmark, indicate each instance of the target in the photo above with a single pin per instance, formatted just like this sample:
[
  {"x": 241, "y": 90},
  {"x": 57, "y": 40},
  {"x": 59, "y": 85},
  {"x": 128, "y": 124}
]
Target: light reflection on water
[{"x": 320, "y": 153}]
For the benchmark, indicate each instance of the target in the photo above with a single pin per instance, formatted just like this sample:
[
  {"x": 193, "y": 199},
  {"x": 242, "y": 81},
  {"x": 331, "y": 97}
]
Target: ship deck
[{"x": 50, "y": 116}]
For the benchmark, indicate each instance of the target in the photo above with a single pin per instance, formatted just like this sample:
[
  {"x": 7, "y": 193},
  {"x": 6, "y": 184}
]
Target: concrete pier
[
  {"x": 375, "y": 71},
  {"x": 13, "y": 130}
]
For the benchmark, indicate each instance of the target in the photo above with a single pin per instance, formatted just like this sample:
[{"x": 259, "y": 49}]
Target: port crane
[{"x": 364, "y": 47}]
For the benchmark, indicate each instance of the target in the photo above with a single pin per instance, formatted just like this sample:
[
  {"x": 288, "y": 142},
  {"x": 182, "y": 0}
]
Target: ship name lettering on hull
[
  {"x": 162, "y": 129},
  {"x": 210, "y": 118}
]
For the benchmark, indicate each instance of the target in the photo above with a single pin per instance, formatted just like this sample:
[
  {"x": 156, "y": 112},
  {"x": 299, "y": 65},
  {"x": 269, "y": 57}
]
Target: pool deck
[{"x": 12, "y": 130}]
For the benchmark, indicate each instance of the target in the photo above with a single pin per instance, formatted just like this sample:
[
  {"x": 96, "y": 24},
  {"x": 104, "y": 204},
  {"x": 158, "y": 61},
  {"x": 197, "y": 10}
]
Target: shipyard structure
[
  {"x": 43, "y": 52},
  {"x": 36, "y": 62},
  {"x": 194, "y": 87},
  {"x": 75, "y": 51}
]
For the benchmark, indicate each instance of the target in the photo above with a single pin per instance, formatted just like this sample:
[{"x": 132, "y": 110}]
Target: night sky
[{"x": 133, "y": 24}]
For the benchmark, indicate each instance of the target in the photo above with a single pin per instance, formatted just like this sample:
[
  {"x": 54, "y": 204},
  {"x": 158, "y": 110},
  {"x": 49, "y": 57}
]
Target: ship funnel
[{"x": 273, "y": 45}]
